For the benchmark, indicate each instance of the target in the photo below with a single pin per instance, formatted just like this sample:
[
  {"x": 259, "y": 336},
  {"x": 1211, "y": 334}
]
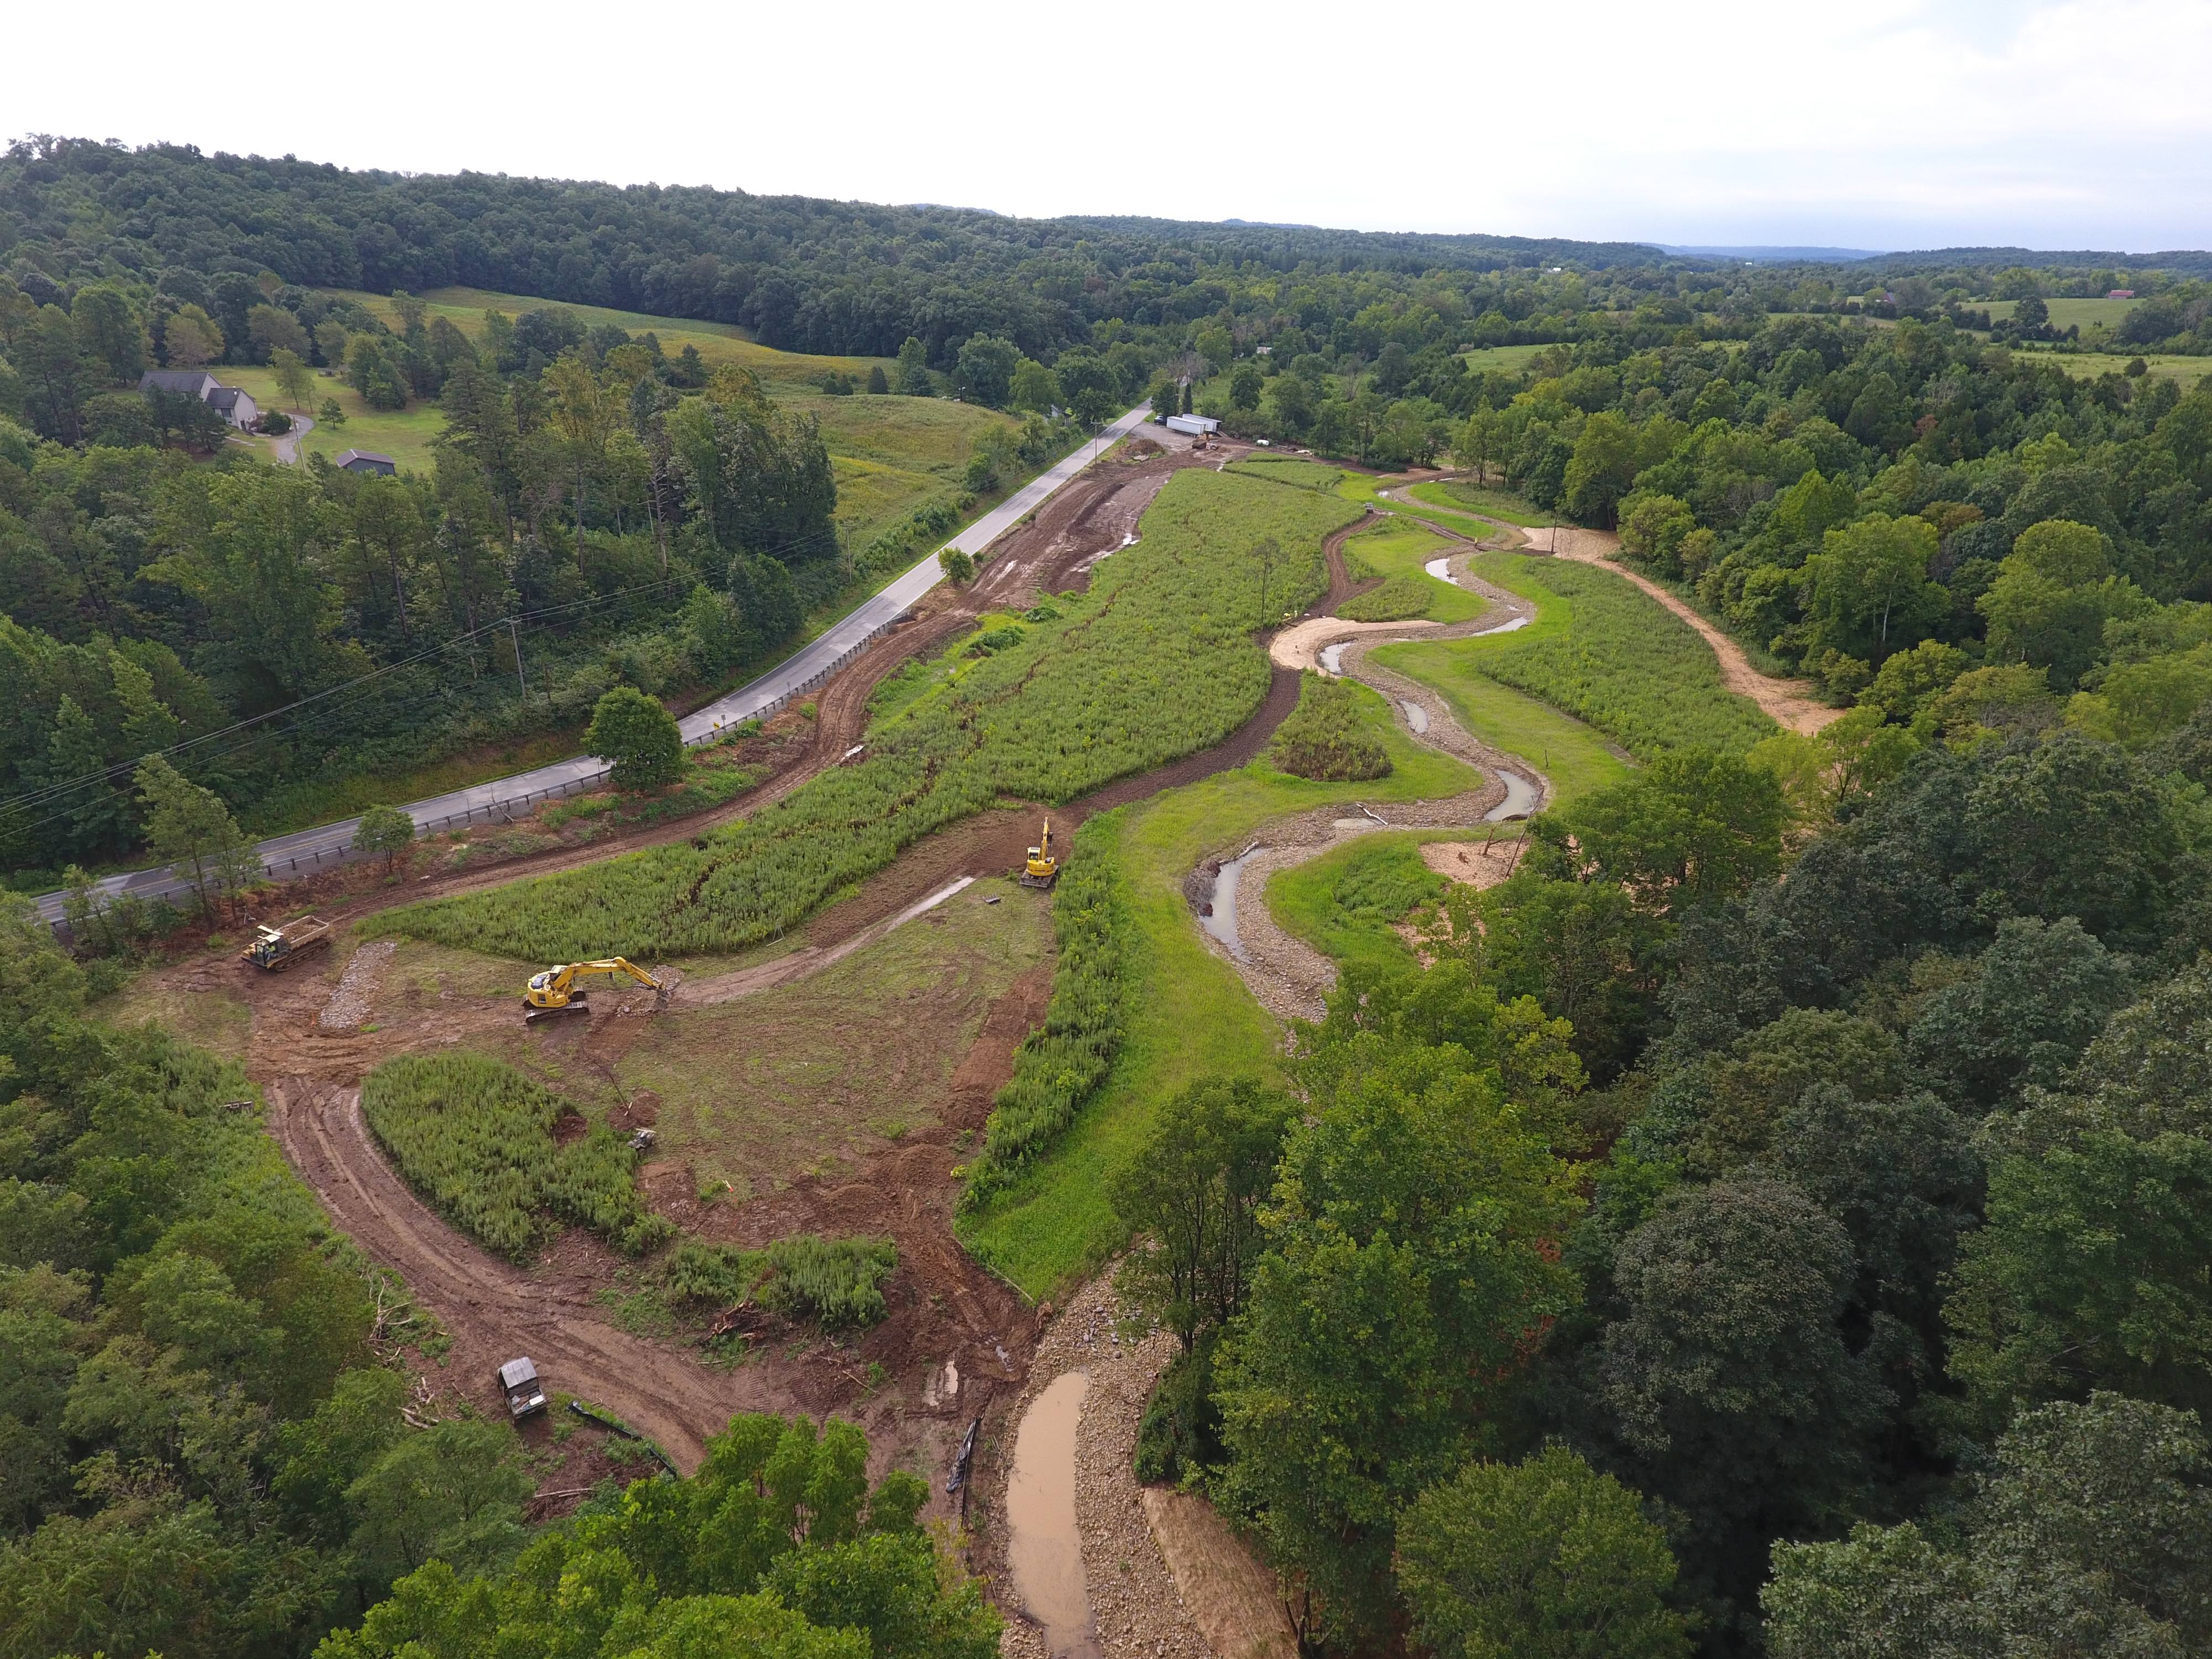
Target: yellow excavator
[
  {"x": 1042, "y": 869},
  {"x": 553, "y": 992}
]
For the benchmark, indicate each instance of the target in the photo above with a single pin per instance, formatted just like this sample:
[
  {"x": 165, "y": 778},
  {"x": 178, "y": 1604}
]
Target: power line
[{"x": 358, "y": 684}]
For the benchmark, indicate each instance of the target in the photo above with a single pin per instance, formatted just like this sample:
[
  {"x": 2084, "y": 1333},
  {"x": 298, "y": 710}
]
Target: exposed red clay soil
[{"x": 956, "y": 1338}]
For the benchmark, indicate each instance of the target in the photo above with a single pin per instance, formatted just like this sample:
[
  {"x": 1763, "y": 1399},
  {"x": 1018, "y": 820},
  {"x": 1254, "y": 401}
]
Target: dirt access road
[
  {"x": 950, "y": 1319},
  {"x": 1790, "y": 703}
]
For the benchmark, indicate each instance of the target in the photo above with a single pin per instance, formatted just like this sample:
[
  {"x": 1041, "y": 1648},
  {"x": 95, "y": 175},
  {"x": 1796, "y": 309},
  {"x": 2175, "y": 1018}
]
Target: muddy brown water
[{"x": 1045, "y": 1552}]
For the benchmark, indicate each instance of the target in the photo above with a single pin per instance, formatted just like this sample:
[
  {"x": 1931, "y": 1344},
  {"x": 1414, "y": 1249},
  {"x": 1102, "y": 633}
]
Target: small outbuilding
[
  {"x": 366, "y": 460},
  {"x": 1193, "y": 426}
]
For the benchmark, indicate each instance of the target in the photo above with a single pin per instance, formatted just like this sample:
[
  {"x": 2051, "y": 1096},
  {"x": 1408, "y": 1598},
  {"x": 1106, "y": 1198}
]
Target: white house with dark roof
[{"x": 237, "y": 407}]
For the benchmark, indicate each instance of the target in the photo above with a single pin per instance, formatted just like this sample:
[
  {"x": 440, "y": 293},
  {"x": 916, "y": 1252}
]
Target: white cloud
[{"x": 1892, "y": 123}]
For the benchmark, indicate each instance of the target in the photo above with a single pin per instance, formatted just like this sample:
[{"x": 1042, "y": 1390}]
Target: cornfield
[
  {"x": 476, "y": 1138},
  {"x": 1155, "y": 662}
]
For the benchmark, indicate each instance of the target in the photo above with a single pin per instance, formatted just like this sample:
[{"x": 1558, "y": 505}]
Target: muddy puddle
[
  {"x": 1221, "y": 919},
  {"x": 1521, "y": 798},
  {"x": 1044, "y": 1552}
]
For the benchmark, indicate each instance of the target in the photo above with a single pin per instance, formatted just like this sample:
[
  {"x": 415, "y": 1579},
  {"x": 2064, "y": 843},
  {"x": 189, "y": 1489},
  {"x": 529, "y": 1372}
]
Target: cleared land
[
  {"x": 2093, "y": 364},
  {"x": 1152, "y": 664},
  {"x": 1504, "y": 360},
  {"x": 404, "y": 434},
  {"x": 2068, "y": 313}
]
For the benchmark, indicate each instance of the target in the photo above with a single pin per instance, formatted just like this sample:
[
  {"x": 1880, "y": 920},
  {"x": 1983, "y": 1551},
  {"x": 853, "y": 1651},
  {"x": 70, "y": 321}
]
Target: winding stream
[{"x": 1287, "y": 974}]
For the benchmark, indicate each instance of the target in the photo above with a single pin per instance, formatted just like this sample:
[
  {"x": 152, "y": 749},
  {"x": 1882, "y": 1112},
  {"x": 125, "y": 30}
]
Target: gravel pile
[{"x": 348, "y": 1004}]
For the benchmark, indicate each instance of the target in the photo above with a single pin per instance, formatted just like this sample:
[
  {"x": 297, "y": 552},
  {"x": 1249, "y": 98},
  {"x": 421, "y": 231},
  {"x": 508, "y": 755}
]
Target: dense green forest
[
  {"x": 1753, "y": 1231},
  {"x": 202, "y": 1448}
]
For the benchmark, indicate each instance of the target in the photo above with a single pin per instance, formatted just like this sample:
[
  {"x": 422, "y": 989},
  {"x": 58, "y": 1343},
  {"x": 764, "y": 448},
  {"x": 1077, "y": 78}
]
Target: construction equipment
[
  {"x": 518, "y": 1381},
  {"x": 553, "y": 992},
  {"x": 1042, "y": 869},
  {"x": 276, "y": 949}
]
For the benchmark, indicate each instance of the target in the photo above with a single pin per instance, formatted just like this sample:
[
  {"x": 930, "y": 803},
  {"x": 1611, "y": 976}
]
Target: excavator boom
[
  {"x": 554, "y": 992},
  {"x": 1043, "y": 868}
]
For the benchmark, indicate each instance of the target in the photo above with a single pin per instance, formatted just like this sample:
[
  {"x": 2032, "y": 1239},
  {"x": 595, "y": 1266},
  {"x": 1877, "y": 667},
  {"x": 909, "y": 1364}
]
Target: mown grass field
[
  {"x": 1503, "y": 360},
  {"x": 1189, "y": 1015},
  {"x": 404, "y": 433},
  {"x": 1397, "y": 551},
  {"x": 2068, "y": 313},
  {"x": 1344, "y": 902},
  {"x": 1156, "y": 661},
  {"x": 1487, "y": 502}
]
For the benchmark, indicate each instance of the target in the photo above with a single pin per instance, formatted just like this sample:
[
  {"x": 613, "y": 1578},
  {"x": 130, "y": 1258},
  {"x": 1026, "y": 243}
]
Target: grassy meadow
[
  {"x": 2084, "y": 314},
  {"x": 1397, "y": 551},
  {"x": 890, "y": 454},
  {"x": 1190, "y": 1015}
]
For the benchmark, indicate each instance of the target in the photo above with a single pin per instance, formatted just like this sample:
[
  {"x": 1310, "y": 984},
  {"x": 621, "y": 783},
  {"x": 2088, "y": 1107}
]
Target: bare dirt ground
[
  {"x": 1790, "y": 703},
  {"x": 956, "y": 1338}
]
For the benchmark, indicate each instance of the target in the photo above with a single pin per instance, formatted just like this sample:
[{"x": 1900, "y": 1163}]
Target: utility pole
[{"x": 515, "y": 640}]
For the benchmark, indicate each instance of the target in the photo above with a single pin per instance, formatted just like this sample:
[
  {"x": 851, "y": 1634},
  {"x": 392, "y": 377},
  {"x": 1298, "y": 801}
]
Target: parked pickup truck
[{"x": 517, "y": 1380}]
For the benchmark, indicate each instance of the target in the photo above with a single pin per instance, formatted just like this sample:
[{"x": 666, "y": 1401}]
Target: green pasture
[
  {"x": 1502, "y": 360},
  {"x": 718, "y": 342},
  {"x": 2095, "y": 365},
  {"x": 2066, "y": 313},
  {"x": 1484, "y": 501}
]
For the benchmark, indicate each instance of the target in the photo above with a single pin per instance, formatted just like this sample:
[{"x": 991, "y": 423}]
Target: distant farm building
[
  {"x": 236, "y": 407},
  {"x": 368, "y": 460},
  {"x": 1195, "y": 425},
  {"x": 2120, "y": 293}
]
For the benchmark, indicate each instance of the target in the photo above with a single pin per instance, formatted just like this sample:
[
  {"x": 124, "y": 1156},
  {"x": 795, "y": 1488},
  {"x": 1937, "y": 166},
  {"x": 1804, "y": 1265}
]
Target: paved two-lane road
[{"x": 305, "y": 850}]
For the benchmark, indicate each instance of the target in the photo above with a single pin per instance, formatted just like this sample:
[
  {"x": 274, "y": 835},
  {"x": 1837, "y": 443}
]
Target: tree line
[
  {"x": 627, "y": 517},
  {"x": 1760, "y": 1226}
]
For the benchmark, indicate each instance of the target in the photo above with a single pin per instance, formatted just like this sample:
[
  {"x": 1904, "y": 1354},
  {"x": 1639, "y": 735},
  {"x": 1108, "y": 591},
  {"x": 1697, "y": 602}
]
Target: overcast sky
[{"x": 1882, "y": 123}]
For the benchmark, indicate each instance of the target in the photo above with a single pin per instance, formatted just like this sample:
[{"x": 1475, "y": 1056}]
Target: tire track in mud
[{"x": 668, "y": 1397}]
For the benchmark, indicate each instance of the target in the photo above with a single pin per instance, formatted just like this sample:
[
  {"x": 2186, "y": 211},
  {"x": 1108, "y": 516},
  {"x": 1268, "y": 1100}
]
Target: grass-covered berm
[{"x": 1155, "y": 662}]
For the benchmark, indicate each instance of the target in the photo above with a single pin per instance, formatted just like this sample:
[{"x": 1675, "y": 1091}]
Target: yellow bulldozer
[
  {"x": 1042, "y": 869},
  {"x": 553, "y": 992}
]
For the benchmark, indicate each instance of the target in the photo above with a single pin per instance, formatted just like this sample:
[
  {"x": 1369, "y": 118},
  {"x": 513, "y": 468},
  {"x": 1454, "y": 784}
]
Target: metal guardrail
[{"x": 292, "y": 866}]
